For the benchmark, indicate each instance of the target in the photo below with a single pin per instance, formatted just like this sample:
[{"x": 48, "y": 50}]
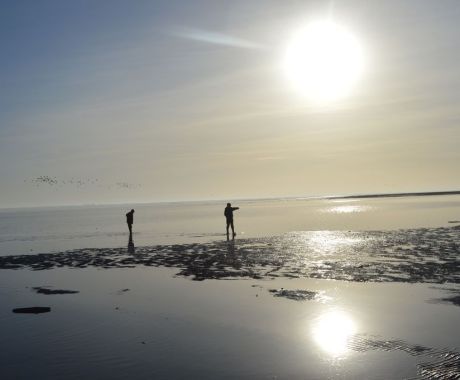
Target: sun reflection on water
[
  {"x": 347, "y": 209},
  {"x": 332, "y": 331},
  {"x": 326, "y": 241}
]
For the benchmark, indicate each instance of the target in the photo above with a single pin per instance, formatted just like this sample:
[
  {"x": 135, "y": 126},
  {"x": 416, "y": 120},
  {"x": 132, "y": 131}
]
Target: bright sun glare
[
  {"x": 333, "y": 331},
  {"x": 324, "y": 61}
]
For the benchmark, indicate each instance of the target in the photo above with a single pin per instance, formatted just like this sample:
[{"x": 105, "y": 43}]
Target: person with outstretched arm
[
  {"x": 229, "y": 217},
  {"x": 130, "y": 221}
]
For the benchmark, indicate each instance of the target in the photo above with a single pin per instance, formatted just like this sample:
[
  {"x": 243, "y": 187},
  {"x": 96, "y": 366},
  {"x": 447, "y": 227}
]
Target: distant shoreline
[
  {"x": 394, "y": 195},
  {"x": 290, "y": 198}
]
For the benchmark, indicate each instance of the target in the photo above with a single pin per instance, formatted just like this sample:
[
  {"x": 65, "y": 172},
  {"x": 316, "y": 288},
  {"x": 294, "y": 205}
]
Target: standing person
[
  {"x": 130, "y": 220},
  {"x": 229, "y": 217}
]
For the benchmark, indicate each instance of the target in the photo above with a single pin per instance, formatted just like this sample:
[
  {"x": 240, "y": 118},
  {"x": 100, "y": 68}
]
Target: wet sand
[{"x": 427, "y": 255}]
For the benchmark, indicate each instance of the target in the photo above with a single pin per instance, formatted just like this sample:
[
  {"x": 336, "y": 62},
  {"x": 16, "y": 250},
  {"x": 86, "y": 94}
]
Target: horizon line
[{"x": 285, "y": 198}]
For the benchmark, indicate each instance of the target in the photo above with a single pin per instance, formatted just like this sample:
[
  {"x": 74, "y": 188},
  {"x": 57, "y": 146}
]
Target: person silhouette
[
  {"x": 130, "y": 221},
  {"x": 229, "y": 217}
]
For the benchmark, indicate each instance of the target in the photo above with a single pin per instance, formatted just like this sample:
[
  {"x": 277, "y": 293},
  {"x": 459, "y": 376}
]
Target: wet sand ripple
[{"x": 438, "y": 363}]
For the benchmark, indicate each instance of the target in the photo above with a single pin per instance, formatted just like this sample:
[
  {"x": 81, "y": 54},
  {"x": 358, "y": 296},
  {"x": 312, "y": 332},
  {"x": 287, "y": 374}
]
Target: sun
[{"x": 324, "y": 61}]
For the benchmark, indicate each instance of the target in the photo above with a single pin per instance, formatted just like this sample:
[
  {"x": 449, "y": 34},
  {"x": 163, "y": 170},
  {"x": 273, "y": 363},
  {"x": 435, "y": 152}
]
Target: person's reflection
[
  {"x": 230, "y": 247},
  {"x": 131, "y": 247},
  {"x": 231, "y": 259}
]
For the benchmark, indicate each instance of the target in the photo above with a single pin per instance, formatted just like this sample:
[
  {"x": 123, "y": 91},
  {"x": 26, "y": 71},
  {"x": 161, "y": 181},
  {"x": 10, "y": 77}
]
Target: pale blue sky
[{"x": 115, "y": 91}]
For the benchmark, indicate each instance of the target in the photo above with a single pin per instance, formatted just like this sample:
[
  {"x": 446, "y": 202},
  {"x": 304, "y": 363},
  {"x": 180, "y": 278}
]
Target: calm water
[{"x": 24, "y": 231}]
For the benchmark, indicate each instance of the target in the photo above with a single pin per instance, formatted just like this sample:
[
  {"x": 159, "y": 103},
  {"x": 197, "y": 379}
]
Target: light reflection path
[
  {"x": 329, "y": 241},
  {"x": 347, "y": 209},
  {"x": 332, "y": 332}
]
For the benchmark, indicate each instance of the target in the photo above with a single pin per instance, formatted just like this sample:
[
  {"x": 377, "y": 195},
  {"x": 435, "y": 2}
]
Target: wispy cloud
[{"x": 215, "y": 38}]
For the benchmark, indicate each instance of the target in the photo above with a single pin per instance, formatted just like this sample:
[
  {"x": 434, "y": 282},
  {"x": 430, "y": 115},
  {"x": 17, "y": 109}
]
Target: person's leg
[
  {"x": 233, "y": 227},
  {"x": 130, "y": 228}
]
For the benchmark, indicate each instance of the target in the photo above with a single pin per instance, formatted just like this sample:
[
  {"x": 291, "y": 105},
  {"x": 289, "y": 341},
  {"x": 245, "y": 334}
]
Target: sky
[{"x": 145, "y": 101}]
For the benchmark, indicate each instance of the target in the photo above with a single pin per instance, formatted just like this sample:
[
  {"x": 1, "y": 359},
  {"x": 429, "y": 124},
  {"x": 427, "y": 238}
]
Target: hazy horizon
[
  {"x": 171, "y": 101},
  {"x": 350, "y": 197}
]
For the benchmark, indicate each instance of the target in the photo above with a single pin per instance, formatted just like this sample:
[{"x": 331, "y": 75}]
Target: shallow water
[
  {"x": 24, "y": 231},
  {"x": 167, "y": 327}
]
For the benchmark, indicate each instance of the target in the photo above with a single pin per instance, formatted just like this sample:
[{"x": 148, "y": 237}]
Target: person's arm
[{"x": 235, "y": 208}]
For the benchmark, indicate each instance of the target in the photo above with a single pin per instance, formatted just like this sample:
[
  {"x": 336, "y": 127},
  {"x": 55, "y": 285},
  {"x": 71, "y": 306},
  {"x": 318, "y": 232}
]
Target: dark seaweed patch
[
  {"x": 295, "y": 295},
  {"x": 48, "y": 291},
  {"x": 32, "y": 310}
]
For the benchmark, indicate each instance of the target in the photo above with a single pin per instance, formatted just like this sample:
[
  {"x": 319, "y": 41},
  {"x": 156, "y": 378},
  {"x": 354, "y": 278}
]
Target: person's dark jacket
[{"x": 229, "y": 212}]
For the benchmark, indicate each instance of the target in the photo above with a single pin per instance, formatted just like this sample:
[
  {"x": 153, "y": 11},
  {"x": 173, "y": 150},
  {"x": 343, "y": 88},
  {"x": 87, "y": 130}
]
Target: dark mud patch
[
  {"x": 427, "y": 255},
  {"x": 454, "y": 300},
  {"x": 453, "y": 297},
  {"x": 32, "y": 310},
  {"x": 295, "y": 295},
  {"x": 435, "y": 364},
  {"x": 48, "y": 291}
]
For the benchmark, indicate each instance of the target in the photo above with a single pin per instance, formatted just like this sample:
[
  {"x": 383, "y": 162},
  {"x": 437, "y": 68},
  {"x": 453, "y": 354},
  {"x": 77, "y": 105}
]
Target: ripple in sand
[{"x": 437, "y": 364}]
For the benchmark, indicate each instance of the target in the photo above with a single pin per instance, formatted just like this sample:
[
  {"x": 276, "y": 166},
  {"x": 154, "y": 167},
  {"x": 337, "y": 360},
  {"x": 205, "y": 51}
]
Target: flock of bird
[{"x": 46, "y": 180}]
